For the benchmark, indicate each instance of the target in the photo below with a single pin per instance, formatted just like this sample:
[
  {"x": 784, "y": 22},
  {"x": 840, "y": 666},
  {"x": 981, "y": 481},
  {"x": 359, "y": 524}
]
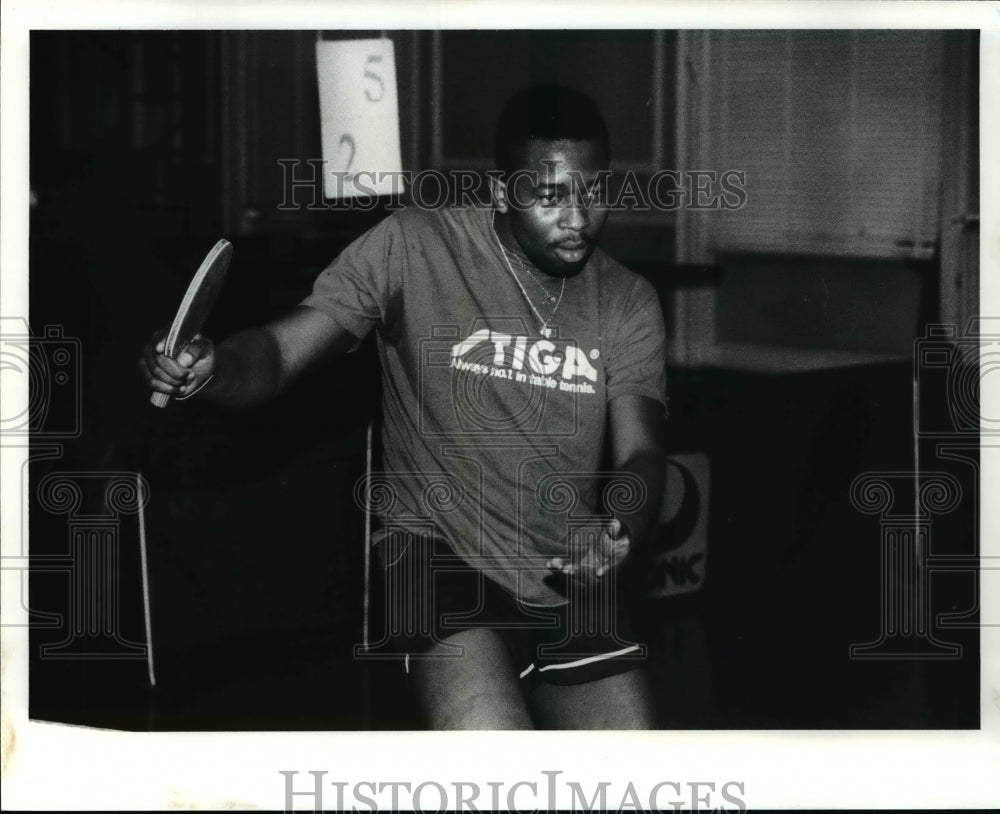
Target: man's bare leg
[
  {"x": 623, "y": 701},
  {"x": 480, "y": 690}
]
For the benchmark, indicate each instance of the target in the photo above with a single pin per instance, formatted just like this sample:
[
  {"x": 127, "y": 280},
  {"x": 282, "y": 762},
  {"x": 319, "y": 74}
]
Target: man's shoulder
[
  {"x": 617, "y": 280},
  {"x": 443, "y": 218},
  {"x": 409, "y": 224}
]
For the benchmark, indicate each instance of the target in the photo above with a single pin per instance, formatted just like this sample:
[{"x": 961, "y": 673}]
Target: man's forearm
[
  {"x": 650, "y": 468},
  {"x": 247, "y": 370}
]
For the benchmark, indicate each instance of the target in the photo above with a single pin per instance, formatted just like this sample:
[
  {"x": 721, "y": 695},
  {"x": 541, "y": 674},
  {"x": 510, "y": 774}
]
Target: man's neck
[{"x": 501, "y": 225}]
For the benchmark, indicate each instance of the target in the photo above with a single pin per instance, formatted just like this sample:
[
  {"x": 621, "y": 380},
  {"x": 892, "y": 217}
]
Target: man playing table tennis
[{"x": 523, "y": 409}]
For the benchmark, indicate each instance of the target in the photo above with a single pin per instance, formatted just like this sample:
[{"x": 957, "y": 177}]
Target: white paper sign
[{"x": 359, "y": 118}]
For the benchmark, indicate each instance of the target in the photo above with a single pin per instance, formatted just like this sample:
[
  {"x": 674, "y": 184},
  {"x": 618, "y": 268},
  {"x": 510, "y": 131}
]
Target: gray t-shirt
[{"x": 493, "y": 435}]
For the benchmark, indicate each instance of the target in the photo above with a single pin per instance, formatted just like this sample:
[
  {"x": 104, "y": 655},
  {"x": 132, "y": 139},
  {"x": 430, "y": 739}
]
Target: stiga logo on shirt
[
  {"x": 538, "y": 363},
  {"x": 500, "y": 378}
]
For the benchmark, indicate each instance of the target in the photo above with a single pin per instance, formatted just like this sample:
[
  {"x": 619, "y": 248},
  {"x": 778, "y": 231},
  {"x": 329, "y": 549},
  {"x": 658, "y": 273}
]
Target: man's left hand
[{"x": 597, "y": 560}]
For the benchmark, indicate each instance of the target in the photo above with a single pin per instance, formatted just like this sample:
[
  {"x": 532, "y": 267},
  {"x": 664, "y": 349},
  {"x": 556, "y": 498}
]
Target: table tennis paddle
[{"x": 196, "y": 305}]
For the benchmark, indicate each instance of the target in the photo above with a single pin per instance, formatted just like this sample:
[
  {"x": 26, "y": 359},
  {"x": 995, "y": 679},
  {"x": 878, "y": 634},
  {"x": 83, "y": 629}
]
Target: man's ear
[{"x": 498, "y": 192}]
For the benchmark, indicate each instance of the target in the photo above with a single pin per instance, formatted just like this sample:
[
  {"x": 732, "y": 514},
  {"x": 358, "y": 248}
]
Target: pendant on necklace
[{"x": 546, "y": 332}]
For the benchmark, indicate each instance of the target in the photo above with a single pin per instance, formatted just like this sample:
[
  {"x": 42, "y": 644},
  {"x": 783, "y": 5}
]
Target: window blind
[{"x": 839, "y": 134}]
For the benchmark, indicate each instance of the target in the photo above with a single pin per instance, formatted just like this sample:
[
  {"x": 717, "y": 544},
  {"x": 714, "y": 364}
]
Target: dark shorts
[{"x": 573, "y": 643}]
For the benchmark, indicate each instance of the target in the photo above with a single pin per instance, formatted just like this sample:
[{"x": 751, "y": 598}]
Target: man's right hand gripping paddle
[
  {"x": 177, "y": 378},
  {"x": 179, "y": 362}
]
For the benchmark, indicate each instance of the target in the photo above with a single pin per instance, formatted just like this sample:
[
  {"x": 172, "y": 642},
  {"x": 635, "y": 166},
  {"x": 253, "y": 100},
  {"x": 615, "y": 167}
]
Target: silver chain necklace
[
  {"x": 549, "y": 297},
  {"x": 544, "y": 330}
]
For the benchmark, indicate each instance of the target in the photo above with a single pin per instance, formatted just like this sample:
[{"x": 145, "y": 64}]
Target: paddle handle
[{"x": 159, "y": 399}]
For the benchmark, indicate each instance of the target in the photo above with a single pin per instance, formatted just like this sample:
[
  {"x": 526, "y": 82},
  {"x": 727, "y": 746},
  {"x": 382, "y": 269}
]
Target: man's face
[{"x": 554, "y": 209}]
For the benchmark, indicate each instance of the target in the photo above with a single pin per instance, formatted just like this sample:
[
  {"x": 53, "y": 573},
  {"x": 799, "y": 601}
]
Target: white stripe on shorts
[{"x": 581, "y": 662}]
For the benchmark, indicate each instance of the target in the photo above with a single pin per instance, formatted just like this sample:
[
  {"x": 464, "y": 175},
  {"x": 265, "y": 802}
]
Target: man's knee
[
  {"x": 478, "y": 690},
  {"x": 622, "y": 701}
]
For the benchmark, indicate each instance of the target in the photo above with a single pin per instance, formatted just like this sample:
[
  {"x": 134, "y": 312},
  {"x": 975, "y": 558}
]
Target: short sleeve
[
  {"x": 637, "y": 356},
  {"x": 356, "y": 289}
]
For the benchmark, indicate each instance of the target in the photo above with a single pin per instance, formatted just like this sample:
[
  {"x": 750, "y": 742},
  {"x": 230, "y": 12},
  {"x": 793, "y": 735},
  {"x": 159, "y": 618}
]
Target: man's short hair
[{"x": 548, "y": 113}]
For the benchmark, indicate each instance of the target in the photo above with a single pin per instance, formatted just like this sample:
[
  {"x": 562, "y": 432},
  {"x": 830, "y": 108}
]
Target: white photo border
[{"x": 65, "y": 767}]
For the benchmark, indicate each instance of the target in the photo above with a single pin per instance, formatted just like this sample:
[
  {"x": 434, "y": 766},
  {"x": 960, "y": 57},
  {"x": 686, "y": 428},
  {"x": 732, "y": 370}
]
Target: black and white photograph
[{"x": 396, "y": 383}]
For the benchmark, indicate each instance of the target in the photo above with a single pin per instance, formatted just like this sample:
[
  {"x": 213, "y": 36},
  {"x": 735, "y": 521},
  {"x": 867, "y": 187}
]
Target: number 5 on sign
[{"x": 359, "y": 118}]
